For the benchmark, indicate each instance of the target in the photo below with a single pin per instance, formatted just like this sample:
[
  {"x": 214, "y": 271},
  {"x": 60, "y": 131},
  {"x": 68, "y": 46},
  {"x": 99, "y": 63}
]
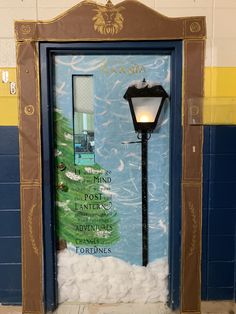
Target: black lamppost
[{"x": 145, "y": 101}]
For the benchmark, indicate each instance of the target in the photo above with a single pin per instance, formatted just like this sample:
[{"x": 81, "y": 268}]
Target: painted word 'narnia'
[{"x": 133, "y": 69}]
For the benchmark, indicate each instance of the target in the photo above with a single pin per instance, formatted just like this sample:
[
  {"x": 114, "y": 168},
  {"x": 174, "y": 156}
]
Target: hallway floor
[{"x": 73, "y": 308}]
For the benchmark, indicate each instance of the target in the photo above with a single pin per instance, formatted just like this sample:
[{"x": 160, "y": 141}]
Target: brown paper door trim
[{"x": 132, "y": 21}]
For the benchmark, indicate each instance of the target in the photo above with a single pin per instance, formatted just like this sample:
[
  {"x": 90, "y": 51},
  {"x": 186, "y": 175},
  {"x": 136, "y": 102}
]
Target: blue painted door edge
[
  {"x": 47, "y": 50},
  {"x": 175, "y": 178}
]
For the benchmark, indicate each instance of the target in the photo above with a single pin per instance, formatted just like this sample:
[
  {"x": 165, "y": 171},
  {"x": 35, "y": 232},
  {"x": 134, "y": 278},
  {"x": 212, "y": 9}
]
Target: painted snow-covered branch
[{"x": 86, "y": 278}]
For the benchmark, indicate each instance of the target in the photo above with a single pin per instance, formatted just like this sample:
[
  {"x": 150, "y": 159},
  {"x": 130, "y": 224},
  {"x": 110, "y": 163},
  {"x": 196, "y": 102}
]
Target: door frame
[
  {"x": 130, "y": 21},
  {"x": 47, "y": 50}
]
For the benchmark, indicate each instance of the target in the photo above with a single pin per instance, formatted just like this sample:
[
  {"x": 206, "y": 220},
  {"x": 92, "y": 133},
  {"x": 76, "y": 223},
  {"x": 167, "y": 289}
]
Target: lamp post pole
[
  {"x": 144, "y": 143},
  {"x": 145, "y": 101}
]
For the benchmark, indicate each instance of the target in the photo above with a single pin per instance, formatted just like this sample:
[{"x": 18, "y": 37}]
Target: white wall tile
[
  {"x": 7, "y": 53},
  {"x": 225, "y": 3},
  {"x": 45, "y": 14},
  {"x": 187, "y": 11},
  {"x": 8, "y": 16},
  {"x": 208, "y": 52},
  {"x": 57, "y": 4},
  {"x": 224, "y": 52},
  {"x": 17, "y": 4},
  {"x": 70, "y": 3},
  {"x": 225, "y": 23},
  {"x": 184, "y": 4}
]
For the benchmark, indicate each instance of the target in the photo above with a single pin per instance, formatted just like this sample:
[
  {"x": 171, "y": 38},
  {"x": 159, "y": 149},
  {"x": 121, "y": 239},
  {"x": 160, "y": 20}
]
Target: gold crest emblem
[
  {"x": 108, "y": 20},
  {"x": 195, "y": 27},
  {"x": 25, "y": 29},
  {"x": 29, "y": 110}
]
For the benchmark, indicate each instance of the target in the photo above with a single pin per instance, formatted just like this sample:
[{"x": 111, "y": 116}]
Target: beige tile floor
[{"x": 73, "y": 308}]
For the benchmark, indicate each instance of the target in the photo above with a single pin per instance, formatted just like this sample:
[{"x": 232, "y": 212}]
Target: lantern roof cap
[{"x": 145, "y": 89}]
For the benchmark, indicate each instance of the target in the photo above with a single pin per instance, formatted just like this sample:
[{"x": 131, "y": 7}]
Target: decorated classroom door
[{"x": 98, "y": 180}]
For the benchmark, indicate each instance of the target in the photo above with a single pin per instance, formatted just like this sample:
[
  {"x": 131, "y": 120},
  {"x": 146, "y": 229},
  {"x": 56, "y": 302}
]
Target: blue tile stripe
[
  {"x": 219, "y": 215},
  {"x": 10, "y": 234}
]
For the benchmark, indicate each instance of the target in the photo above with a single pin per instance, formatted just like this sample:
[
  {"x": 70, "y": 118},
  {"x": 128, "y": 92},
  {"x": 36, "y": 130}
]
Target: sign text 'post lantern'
[{"x": 145, "y": 101}]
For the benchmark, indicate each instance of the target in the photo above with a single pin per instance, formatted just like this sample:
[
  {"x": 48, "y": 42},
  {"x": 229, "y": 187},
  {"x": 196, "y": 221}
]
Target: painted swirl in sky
[{"x": 112, "y": 74}]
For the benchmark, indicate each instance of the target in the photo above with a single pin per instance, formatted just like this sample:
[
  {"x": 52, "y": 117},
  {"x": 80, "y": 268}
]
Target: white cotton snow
[
  {"x": 94, "y": 171},
  {"x": 73, "y": 176},
  {"x": 89, "y": 279},
  {"x": 141, "y": 84}
]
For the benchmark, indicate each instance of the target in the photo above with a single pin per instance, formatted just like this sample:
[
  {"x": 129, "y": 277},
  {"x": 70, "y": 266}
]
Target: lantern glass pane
[{"x": 146, "y": 108}]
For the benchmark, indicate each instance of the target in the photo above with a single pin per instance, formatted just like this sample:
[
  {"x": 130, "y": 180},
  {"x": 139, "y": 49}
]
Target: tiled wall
[
  {"x": 220, "y": 160},
  {"x": 220, "y": 43},
  {"x": 220, "y": 15},
  {"x": 10, "y": 241},
  {"x": 219, "y": 213}
]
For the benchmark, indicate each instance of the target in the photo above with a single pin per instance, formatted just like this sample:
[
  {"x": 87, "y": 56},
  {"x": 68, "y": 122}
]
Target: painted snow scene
[{"x": 98, "y": 181}]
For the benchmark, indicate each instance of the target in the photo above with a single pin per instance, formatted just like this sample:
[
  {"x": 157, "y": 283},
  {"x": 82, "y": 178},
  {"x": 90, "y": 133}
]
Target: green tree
[{"x": 84, "y": 212}]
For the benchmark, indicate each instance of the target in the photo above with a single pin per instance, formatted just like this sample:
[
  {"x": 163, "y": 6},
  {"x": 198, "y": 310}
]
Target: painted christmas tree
[{"x": 84, "y": 212}]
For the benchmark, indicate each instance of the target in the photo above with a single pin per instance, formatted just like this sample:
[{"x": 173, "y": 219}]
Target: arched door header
[{"x": 128, "y": 20}]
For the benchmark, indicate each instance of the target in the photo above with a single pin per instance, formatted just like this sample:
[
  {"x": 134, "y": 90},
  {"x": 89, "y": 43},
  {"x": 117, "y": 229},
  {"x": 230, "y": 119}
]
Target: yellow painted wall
[
  {"x": 220, "y": 61},
  {"x": 8, "y": 102},
  {"x": 220, "y": 81},
  {"x": 220, "y": 96},
  {"x": 219, "y": 103}
]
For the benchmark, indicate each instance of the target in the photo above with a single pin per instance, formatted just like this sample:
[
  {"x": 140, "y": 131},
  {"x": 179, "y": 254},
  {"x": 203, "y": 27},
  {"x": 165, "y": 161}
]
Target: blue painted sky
[{"x": 113, "y": 125}]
